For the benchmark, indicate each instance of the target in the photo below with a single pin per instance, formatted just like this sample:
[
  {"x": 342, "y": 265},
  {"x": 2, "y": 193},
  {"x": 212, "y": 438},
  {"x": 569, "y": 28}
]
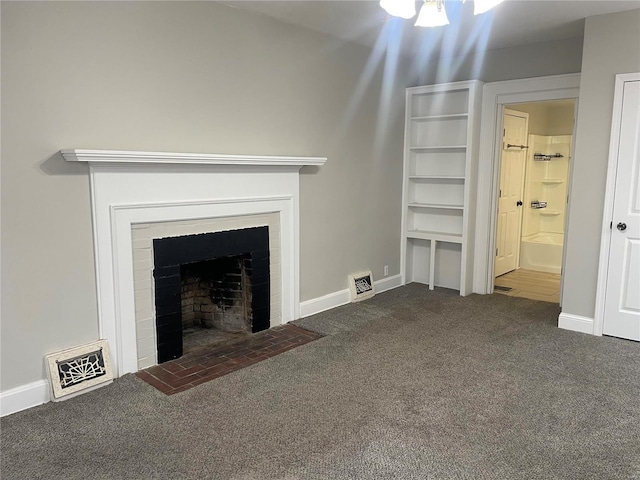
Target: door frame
[
  {"x": 609, "y": 197},
  {"x": 495, "y": 96}
]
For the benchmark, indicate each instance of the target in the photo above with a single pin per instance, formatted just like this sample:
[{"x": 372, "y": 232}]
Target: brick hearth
[{"x": 207, "y": 364}]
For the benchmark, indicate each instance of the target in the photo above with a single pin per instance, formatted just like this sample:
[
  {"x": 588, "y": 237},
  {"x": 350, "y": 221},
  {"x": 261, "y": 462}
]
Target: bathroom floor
[{"x": 529, "y": 284}]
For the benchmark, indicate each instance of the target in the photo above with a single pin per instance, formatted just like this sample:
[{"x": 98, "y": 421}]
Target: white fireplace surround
[{"x": 129, "y": 188}]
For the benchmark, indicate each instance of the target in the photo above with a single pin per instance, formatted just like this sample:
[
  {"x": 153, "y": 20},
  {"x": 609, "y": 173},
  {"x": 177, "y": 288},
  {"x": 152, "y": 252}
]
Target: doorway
[
  {"x": 495, "y": 96},
  {"x": 532, "y": 198}
]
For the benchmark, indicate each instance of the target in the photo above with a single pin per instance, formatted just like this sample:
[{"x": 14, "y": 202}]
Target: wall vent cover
[
  {"x": 361, "y": 286},
  {"x": 80, "y": 368}
]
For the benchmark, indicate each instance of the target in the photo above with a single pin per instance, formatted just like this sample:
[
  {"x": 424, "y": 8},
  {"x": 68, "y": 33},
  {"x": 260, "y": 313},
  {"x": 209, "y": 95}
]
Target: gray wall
[
  {"x": 611, "y": 46},
  {"x": 548, "y": 118},
  {"x": 183, "y": 77},
  {"x": 561, "y": 120},
  {"x": 525, "y": 61},
  {"x": 538, "y": 116}
]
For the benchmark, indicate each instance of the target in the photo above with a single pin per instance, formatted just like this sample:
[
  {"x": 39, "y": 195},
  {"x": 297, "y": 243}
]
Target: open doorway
[{"x": 532, "y": 198}]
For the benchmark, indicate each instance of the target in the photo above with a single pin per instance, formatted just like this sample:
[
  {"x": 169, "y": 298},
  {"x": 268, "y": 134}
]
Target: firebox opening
[
  {"x": 216, "y": 301},
  {"x": 214, "y": 267}
]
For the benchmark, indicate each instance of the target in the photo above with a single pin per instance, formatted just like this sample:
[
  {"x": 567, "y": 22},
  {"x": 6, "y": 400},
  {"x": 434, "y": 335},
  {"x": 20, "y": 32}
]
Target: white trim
[
  {"x": 609, "y": 197},
  {"x": 39, "y": 392},
  {"x": 388, "y": 283},
  {"x": 342, "y": 297},
  {"x": 495, "y": 96},
  {"x": 324, "y": 303},
  {"x": 24, "y": 396},
  {"x": 405, "y": 187},
  {"x": 567, "y": 212},
  {"x": 123, "y": 156},
  {"x": 576, "y": 323}
]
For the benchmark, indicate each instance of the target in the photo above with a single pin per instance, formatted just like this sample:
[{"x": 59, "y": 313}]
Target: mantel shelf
[{"x": 133, "y": 157}]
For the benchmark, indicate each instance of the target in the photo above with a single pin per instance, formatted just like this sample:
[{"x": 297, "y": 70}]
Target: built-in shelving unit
[{"x": 440, "y": 160}]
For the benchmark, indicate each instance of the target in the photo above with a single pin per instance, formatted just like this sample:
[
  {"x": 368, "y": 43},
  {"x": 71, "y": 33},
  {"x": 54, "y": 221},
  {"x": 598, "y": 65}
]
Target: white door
[
  {"x": 622, "y": 298},
  {"x": 512, "y": 165}
]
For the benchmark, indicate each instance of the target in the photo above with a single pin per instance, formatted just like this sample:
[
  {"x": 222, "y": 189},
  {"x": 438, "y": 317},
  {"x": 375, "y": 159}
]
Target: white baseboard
[
  {"x": 37, "y": 393},
  {"x": 23, "y": 397},
  {"x": 342, "y": 297},
  {"x": 388, "y": 283},
  {"x": 576, "y": 323},
  {"x": 326, "y": 302}
]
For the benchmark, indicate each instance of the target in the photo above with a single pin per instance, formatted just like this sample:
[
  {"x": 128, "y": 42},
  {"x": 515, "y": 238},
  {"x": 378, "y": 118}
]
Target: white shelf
[
  {"x": 439, "y": 236},
  {"x": 552, "y": 180},
  {"x": 450, "y": 116},
  {"x": 436, "y": 177},
  {"x": 439, "y": 148},
  {"x": 436, "y": 205}
]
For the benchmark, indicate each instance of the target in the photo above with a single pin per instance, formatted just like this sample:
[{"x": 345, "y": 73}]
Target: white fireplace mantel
[
  {"x": 131, "y": 157},
  {"x": 130, "y": 188}
]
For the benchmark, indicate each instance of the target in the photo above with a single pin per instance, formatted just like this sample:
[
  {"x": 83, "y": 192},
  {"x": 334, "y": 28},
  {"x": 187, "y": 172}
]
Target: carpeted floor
[{"x": 411, "y": 384}]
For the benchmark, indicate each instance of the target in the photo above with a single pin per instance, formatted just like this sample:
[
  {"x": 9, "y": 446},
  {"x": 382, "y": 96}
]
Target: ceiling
[{"x": 514, "y": 22}]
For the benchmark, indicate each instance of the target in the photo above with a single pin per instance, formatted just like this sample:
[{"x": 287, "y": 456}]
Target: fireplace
[
  {"x": 137, "y": 197},
  {"x": 210, "y": 281}
]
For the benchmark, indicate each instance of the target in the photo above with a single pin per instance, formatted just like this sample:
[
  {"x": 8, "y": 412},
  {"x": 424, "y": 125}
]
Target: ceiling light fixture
[{"x": 432, "y": 14}]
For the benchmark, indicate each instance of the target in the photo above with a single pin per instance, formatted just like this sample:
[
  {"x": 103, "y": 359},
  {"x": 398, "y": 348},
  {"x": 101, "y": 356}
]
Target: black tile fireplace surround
[{"x": 172, "y": 252}]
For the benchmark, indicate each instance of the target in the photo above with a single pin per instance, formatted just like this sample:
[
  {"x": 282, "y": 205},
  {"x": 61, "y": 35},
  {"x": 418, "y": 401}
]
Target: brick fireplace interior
[{"x": 210, "y": 288}]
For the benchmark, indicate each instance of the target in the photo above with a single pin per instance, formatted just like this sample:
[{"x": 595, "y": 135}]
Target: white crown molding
[{"x": 133, "y": 157}]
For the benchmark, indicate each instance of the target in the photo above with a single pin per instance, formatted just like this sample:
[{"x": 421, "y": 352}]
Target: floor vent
[
  {"x": 500, "y": 288},
  {"x": 79, "y": 369},
  {"x": 361, "y": 286}
]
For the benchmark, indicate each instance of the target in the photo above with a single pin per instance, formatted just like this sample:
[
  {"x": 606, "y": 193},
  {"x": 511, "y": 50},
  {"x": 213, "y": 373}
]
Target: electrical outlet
[{"x": 386, "y": 270}]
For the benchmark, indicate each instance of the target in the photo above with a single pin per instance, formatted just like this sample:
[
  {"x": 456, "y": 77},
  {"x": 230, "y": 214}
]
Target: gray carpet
[{"x": 411, "y": 384}]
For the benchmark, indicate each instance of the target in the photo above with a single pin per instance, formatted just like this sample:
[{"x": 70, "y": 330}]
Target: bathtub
[{"x": 542, "y": 252}]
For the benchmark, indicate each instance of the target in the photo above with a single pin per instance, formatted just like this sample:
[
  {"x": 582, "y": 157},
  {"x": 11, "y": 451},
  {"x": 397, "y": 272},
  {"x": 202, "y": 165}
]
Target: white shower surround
[{"x": 129, "y": 188}]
